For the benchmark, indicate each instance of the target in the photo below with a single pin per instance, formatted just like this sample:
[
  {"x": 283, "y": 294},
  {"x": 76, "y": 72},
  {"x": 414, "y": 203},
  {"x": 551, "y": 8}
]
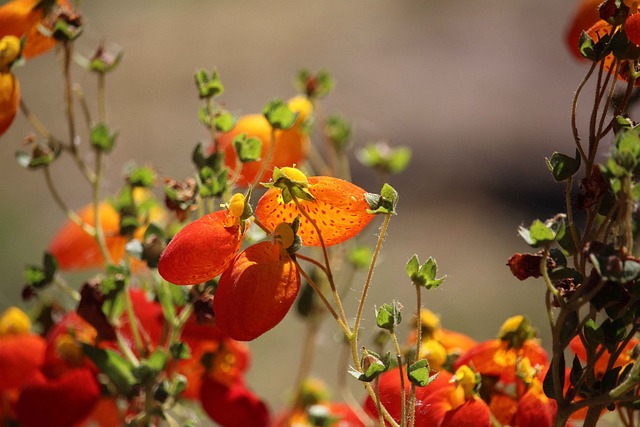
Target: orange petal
[
  {"x": 290, "y": 147},
  {"x": 201, "y": 250},
  {"x": 256, "y": 291},
  {"x": 9, "y": 100},
  {"x": 18, "y": 16},
  {"x": 535, "y": 409},
  {"x": 74, "y": 249},
  {"x": 233, "y": 405},
  {"x": 586, "y": 15},
  {"x": 339, "y": 210}
]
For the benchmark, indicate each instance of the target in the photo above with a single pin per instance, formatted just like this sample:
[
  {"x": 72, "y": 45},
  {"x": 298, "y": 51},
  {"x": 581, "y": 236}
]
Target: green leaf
[
  {"x": 143, "y": 176},
  {"x": 314, "y": 86},
  {"x": 180, "y": 350},
  {"x": 562, "y": 167},
  {"x": 224, "y": 121},
  {"x": 279, "y": 115},
  {"x": 594, "y": 336},
  {"x": 384, "y": 203},
  {"x": 247, "y": 149},
  {"x": 412, "y": 267},
  {"x": 338, "y": 131},
  {"x": 389, "y": 316},
  {"x": 399, "y": 160},
  {"x": 418, "y": 373},
  {"x": 540, "y": 232},
  {"x": 117, "y": 369},
  {"x": 101, "y": 138},
  {"x": 208, "y": 84}
]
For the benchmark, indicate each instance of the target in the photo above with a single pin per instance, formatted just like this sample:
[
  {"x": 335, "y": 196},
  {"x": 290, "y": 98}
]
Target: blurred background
[{"x": 480, "y": 90}]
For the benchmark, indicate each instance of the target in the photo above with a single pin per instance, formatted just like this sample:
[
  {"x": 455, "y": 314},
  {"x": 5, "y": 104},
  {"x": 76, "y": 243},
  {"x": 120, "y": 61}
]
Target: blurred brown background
[{"x": 480, "y": 90}]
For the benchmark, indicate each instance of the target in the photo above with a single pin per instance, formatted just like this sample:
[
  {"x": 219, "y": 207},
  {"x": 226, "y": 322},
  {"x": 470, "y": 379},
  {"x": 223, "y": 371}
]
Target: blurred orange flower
[{"x": 290, "y": 145}]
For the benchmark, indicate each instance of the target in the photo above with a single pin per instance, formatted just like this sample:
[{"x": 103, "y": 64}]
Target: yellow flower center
[
  {"x": 236, "y": 205},
  {"x": 466, "y": 379},
  {"x": 14, "y": 322},
  {"x": 430, "y": 322},
  {"x": 295, "y": 175},
  {"x": 284, "y": 234},
  {"x": 435, "y": 354},
  {"x": 302, "y": 106},
  {"x": 69, "y": 350}
]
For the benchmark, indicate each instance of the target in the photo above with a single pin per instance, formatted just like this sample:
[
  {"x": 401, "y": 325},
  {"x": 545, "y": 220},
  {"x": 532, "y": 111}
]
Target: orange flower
[
  {"x": 338, "y": 209},
  {"x": 202, "y": 249},
  {"x": 256, "y": 291},
  {"x": 290, "y": 145},
  {"x": 75, "y": 249},
  {"x": 22, "y": 18},
  {"x": 472, "y": 413}
]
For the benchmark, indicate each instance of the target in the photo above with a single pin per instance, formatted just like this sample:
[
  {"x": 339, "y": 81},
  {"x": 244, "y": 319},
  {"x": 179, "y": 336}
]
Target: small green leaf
[
  {"x": 563, "y": 167},
  {"x": 418, "y": 373},
  {"x": 224, "y": 121},
  {"x": 101, "y": 138},
  {"x": 279, "y": 115},
  {"x": 117, "y": 369},
  {"x": 208, "y": 84},
  {"x": 247, "y": 149},
  {"x": 540, "y": 232},
  {"x": 389, "y": 316},
  {"x": 360, "y": 256},
  {"x": 143, "y": 176}
]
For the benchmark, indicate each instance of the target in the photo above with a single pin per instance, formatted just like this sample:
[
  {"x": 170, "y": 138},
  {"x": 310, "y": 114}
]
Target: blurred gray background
[{"x": 479, "y": 89}]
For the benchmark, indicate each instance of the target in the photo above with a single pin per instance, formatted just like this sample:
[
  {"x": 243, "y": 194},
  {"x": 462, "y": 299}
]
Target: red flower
[
  {"x": 202, "y": 249},
  {"x": 233, "y": 405},
  {"x": 63, "y": 401},
  {"x": 586, "y": 15},
  {"x": 21, "y": 352},
  {"x": 535, "y": 409},
  {"x": 338, "y": 209},
  {"x": 256, "y": 291}
]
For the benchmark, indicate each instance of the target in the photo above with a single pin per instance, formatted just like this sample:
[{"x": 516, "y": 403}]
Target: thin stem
[
  {"x": 133, "y": 321},
  {"x": 34, "y": 121},
  {"x": 90, "y": 230},
  {"x": 306, "y": 361},
  {"x": 574, "y": 109},
  {"x": 312, "y": 261},
  {"x": 412, "y": 395},
  {"x": 102, "y": 103},
  {"x": 324, "y": 300},
  {"x": 403, "y": 397},
  {"x": 572, "y": 224},
  {"x": 367, "y": 283},
  {"x": 82, "y": 100},
  {"x": 99, "y": 234},
  {"x": 267, "y": 159}
]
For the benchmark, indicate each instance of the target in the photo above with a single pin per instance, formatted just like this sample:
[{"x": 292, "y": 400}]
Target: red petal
[
  {"x": 61, "y": 402},
  {"x": 472, "y": 413},
  {"x": 234, "y": 405},
  {"x": 201, "y": 250},
  {"x": 20, "y": 355},
  {"x": 256, "y": 291}
]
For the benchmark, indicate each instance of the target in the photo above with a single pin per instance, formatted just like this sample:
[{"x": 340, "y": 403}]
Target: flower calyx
[
  {"x": 516, "y": 330},
  {"x": 292, "y": 182}
]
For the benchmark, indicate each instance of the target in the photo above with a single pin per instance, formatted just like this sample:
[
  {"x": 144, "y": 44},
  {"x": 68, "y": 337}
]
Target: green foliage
[
  {"x": 385, "y": 159},
  {"x": 102, "y": 138},
  {"x": 279, "y": 115},
  {"x": 208, "y": 84},
  {"x": 314, "y": 86},
  {"x": 383, "y": 203},
  {"x": 389, "y": 316},
  {"x": 247, "y": 149},
  {"x": 423, "y": 275}
]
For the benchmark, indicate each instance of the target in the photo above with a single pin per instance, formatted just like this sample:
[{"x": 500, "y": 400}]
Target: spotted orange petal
[
  {"x": 201, "y": 250},
  {"x": 256, "y": 291},
  {"x": 339, "y": 210},
  {"x": 9, "y": 100},
  {"x": 74, "y": 249}
]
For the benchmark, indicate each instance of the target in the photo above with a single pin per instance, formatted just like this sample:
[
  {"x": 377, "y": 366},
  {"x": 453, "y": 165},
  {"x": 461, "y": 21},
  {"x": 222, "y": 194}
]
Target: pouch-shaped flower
[{"x": 256, "y": 291}]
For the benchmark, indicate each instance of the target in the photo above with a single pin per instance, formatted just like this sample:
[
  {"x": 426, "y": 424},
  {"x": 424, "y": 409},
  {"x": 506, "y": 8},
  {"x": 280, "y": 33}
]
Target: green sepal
[
  {"x": 101, "y": 138},
  {"x": 418, "y": 373},
  {"x": 224, "y": 121},
  {"x": 247, "y": 149},
  {"x": 338, "y": 131},
  {"x": 373, "y": 366},
  {"x": 279, "y": 115},
  {"x": 563, "y": 167},
  {"x": 41, "y": 155},
  {"x": 212, "y": 183},
  {"x": 290, "y": 187},
  {"x": 423, "y": 275},
  {"x": 385, "y": 159},
  {"x": 141, "y": 176},
  {"x": 383, "y": 203},
  {"x": 214, "y": 160},
  {"x": 208, "y": 84},
  {"x": 104, "y": 61},
  {"x": 543, "y": 234},
  {"x": 594, "y": 51},
  {"x": 389, "y": 316},
  {"x": 116, "y": 368},
  {"x": 314, "y": 86},
  {"x": 594, "y": 336},
  {"x": 66, "y": 30},
  {"x": 41, "y": 276}
]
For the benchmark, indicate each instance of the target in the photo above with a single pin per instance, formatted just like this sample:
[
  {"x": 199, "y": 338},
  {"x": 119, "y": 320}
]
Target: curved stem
[
  {"x": 574, "y": 109},
  {"x": 89, "y": 229}
]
